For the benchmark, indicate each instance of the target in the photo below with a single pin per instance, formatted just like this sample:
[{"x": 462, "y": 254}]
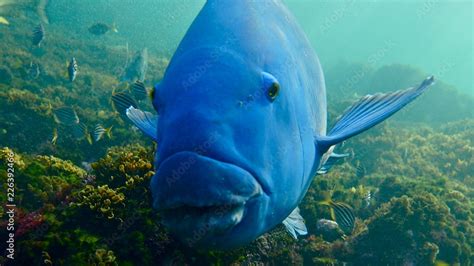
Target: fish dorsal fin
[
  {"x": 294, "y": 224},
  {"x": 368, "y": 112},
  {"x": 145, "y": 121}
]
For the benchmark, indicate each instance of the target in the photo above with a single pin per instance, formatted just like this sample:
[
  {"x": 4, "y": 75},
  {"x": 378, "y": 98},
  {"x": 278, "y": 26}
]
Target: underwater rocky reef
[
  {"x": 80, "y": 203},
  {"x": 420, "y": 211}
]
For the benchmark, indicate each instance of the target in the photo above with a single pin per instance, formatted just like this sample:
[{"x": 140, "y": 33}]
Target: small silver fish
[
  {"x": 368, "y": 198},
  {"x": 102, "y": 28},
  {"x": 326, "y": 225},
  {"x": 87, "y": 166},
  {"x": 137, "y": 67},
  {"x": 72, "y": 69}
]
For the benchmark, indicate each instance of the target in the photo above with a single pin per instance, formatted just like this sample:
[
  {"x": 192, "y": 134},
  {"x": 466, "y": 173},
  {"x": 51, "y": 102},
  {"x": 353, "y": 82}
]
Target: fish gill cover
[{"x": 82, "y": 170}]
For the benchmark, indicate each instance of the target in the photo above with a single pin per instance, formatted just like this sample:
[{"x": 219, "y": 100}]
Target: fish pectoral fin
[
  {"x": 294, "y": 224},
  {"x": 331, "y": 160},
  {"x": 368, "y": 112},
  {"x": 145, "y": 121}
]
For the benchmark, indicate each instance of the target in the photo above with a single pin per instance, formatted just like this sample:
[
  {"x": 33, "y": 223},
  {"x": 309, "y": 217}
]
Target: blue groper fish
[{"x": 241, "y": 125}]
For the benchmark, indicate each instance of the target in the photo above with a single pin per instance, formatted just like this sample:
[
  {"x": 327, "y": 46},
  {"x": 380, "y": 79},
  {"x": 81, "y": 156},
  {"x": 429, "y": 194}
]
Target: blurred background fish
[
  {"x": 121, "y": 101},
  {"x": 100, "y": 131},
  {"x": 65, "y": 115},
  {"x": 54, "y": 138},
  {"x": 139, "y": 91},
  {"x": 80, "y": 131},
  {"x": 136, "y": 69},
  {"x": 41, "y": 10},
  {"x": 34, "y": 70},
  {"x": 72, "y": 69},
  {"x": 342, "y": 214},
  {"x": 100, "y": 28},
  {"x": 360, "y": 170},
  {"x": 38, "y": 35}
]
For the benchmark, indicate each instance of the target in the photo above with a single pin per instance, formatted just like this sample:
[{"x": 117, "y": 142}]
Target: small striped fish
[
  {"x": 100, "y": 131},
  {"x": 360, "y": 171},
  {"x": 343, "y": 214},
  {"x": 38, "y": 35},
  {"x": 139, "y": 90},
  {"x": 122, "y": 101},
  {"x": 65, "y": 115},
  {"x": 368, "y": 198},
  {"x": 72, "y": 69},
  {"x": 81, "y": 131}
]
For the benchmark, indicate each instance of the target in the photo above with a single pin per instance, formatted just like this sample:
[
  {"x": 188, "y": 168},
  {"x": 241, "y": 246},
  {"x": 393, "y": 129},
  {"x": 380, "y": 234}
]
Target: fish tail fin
[
  {"x": 331, "y": 212},
  {"x": 108, "y": 132},
  {"x": 328, "y": 202},
  {"x": 330, "y": 159},
  {"x": 55, "y": 136},
  {"x": 114, "y": 28},
  {"x": 4, "y": 21},
  {"x": 368, "y": 112},
  {"x": 89, "y": 138},
  {"x": 324, "y": 202},
  {"x": 49, "y": 110}
]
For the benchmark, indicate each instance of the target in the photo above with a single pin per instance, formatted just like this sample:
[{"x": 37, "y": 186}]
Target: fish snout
[{"x": 193, "y": 192}]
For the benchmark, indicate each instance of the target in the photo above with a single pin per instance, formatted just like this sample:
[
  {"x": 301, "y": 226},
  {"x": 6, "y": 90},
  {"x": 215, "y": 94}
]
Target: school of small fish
[{"x": 65, "y": 116}]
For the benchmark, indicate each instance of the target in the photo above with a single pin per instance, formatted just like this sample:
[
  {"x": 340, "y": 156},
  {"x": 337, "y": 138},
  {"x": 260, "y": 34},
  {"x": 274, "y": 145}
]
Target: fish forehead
[
  {"x": 265, "y": 34},
  {"x": 210, "y": 73}
]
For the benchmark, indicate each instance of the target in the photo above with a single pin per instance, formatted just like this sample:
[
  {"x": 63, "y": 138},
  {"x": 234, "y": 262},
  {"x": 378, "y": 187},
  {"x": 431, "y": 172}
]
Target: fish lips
[{"x": 198, "y": 195}]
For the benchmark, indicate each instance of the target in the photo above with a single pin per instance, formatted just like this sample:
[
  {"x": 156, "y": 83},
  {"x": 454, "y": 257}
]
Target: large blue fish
[{"x": 241, "y": 125}]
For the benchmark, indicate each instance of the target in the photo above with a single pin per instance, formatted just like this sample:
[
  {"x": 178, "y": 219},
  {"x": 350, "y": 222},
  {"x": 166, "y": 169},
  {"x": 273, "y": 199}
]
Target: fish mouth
[
  {"x": 207, "y": 198},
  {"x": 211, "y": 220}
]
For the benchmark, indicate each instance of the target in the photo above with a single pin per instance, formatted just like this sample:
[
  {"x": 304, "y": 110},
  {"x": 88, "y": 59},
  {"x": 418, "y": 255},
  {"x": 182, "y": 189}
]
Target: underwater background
[{"x": 82, "y": 195}]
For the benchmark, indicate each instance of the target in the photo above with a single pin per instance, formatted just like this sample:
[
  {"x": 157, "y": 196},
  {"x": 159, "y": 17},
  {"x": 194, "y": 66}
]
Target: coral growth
[{"x": 101, "y": 199}]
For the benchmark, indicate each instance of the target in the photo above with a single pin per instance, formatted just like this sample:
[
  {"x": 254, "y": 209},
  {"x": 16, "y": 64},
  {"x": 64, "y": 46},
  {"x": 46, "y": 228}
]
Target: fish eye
[
  {"x": 273, "y": 91},
  {"x": 153, "y": 98}
]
